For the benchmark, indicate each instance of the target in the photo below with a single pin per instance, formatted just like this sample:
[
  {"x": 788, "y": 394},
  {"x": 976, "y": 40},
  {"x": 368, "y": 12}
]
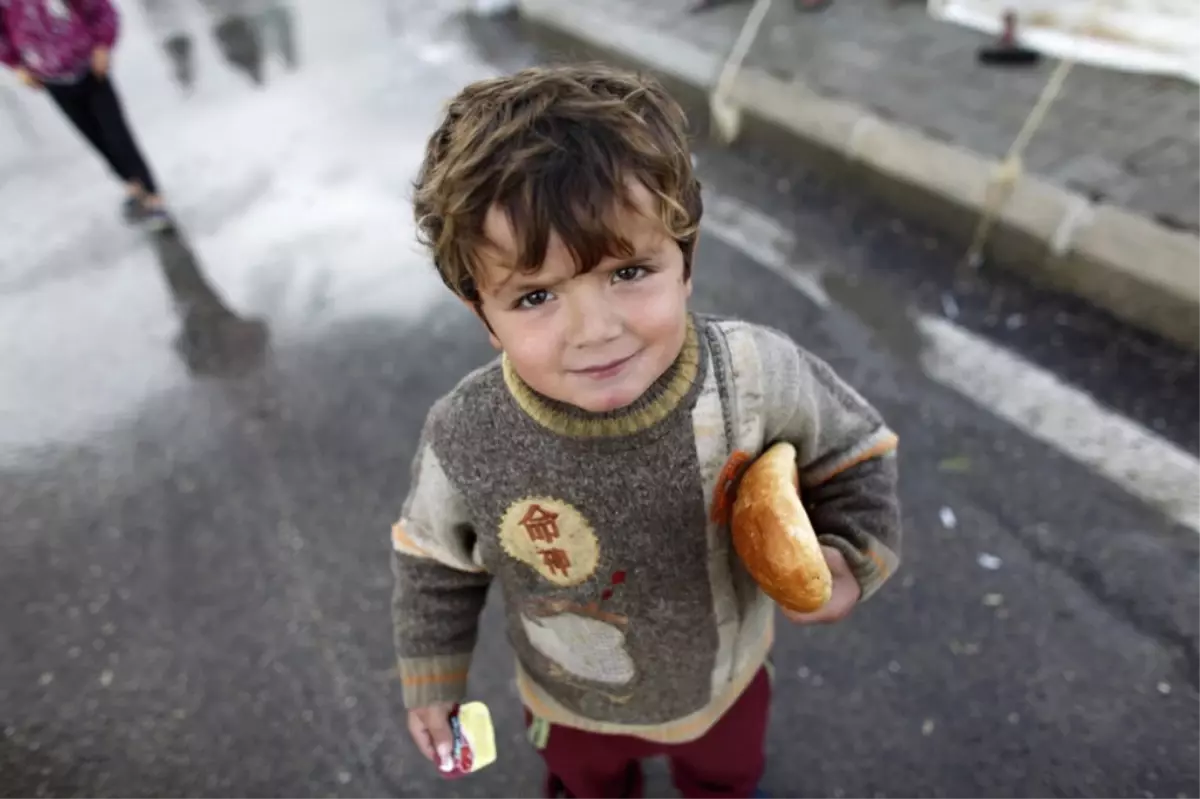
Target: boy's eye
[
  {"x": 533, "y": 299},
  {"x": 627, "y": 273}
]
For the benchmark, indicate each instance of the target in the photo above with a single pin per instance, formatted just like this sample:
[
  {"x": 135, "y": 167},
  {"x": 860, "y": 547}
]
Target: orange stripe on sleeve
[
  {"x": 432, "y": 679},
  {"x": 402, "y": 542},
  {"x": 878, "y": 561},
  {"x": 882, "y": 448}
]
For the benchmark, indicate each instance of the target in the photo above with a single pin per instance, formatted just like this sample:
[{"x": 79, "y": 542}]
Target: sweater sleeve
[
  {"x": 440, "y": 586},
  {"x": 100, "y": 18},
  {"x": 8, "y": 53},
  {"x": 846, "y": 457}
]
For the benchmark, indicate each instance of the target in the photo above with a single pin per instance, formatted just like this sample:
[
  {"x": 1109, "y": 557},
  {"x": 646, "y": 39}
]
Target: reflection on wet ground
[{"x": 213, "y": 340}]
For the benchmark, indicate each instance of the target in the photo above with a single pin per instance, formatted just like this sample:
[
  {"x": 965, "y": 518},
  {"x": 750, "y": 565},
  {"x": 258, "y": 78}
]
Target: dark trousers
[
  {"x": 727, "y": 761},
  {"x": 93, "y": 107}
]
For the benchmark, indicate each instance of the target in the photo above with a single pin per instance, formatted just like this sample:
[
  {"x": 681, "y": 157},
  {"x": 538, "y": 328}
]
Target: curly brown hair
[{"x": 555, "y": 148}]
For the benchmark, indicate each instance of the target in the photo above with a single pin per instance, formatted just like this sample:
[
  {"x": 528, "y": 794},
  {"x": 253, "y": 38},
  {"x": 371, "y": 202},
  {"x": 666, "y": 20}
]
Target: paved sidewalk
[{"x": 1124, "y": 139}]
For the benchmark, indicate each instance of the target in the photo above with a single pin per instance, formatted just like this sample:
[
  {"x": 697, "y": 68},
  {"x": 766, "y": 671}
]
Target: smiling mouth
[{"x": 606, "y": 369}]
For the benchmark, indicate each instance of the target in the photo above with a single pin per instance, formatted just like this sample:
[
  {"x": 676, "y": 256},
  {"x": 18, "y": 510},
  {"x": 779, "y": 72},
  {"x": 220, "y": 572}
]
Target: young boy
[{"x": 590, "y": 469}]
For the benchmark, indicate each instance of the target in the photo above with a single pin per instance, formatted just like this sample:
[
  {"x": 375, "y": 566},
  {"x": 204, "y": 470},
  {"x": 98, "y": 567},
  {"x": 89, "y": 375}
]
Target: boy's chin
[
  {"x": 605, "y": 404},
  {"x": 609, "y": 400}
]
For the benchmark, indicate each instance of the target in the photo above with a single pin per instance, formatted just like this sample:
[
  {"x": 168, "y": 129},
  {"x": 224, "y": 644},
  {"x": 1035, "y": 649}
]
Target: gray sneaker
[
  {"x": 155, "y": 219},
  {"x": 132, "y": 210}
]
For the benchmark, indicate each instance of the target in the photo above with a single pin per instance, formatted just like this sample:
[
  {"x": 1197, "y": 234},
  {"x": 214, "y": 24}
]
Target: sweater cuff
[
  {"x": 427, "y": 680},
  {"x": 871, "y": 567}
]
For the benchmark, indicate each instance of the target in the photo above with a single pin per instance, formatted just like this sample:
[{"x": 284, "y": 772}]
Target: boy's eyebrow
[
  {"x": 520, "y": 283},
  {"x": 527, "y": 285}
]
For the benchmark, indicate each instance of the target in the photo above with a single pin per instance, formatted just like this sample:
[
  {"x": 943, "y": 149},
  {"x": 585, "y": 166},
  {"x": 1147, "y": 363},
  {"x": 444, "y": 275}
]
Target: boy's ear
[{"x": 477, "y": 309}]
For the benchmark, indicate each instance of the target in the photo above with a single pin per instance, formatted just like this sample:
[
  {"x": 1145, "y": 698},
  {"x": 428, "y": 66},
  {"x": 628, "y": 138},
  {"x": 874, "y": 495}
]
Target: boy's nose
[{"x": 594, "y": 320}]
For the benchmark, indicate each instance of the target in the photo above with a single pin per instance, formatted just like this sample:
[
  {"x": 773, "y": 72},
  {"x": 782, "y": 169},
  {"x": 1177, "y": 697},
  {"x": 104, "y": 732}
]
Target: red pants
[{"x": 727, "y": 760}]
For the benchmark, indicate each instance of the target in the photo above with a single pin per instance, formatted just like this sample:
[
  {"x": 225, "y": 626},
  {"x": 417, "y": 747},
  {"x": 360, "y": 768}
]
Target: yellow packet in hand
[{"x": 474, "y": 739}]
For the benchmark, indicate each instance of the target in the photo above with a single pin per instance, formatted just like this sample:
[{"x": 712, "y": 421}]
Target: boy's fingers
[
  {"x": 816, "y": 617},
  {"x": 430, "y": 730},
  {"x": 835, "y": 560},
  {"x": 420, "y": 736},
  {"x": 845, "y": 595},
  {"x": 438, "y": 724},
  {"x": 845, "y": 592}
]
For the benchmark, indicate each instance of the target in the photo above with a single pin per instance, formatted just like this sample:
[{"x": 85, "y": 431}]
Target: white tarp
[{"x": 1151, "y": 36}]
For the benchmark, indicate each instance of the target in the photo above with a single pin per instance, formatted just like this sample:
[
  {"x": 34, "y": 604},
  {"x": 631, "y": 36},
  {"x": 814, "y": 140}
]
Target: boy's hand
[
  {"x": 26, "y": 77},
  {"x": 101, "y": 57},
  {"x": 430, "y": 729},
  {"x": 846, "y": 592}
]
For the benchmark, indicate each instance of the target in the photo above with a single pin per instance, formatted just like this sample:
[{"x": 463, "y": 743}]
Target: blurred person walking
[
  {"x": 247, "y": 33},
  {"x": 65, "y": 47}
]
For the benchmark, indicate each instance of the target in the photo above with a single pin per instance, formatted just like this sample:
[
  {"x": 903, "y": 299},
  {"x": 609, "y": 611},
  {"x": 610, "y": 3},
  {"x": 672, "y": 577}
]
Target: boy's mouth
[{"x": 602, "y": 371}]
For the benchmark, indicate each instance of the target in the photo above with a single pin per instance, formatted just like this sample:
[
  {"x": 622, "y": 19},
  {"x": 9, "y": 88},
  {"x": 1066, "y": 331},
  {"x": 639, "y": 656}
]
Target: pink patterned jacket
[{"x": 54, "y": 39}]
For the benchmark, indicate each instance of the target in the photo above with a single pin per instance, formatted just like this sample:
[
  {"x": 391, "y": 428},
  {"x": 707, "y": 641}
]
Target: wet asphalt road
[{"x": 204, "y": 437}]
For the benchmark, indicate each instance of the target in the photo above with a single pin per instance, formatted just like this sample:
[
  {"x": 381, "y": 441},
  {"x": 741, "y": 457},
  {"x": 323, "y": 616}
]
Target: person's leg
[
  {"x": 278, "y": 19},
  {"x": 587, "y": 765},
  {"x": 106, "y": 107},
  {"x": 241, "y": 43},
  {"x": 75, "y": 103},
  {"x": 178, "y": 47},
  {"x": 729, "y": 759}
]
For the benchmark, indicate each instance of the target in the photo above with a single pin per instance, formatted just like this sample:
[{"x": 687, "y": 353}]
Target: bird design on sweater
[{"x": 584, "y": 640}]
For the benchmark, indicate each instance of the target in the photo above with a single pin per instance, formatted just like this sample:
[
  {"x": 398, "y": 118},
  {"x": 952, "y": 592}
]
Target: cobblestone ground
[{"x": 1124, "y": 139}]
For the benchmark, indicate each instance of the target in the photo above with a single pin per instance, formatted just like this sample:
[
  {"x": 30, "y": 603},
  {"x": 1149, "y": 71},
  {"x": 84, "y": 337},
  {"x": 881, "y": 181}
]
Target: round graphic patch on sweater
[{"x": 552, "y": 538}]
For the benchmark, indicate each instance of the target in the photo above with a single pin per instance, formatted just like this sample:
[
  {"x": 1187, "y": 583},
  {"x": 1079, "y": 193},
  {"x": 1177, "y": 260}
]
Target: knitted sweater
[
  {"x": 627, "y": 607},
  {"x": 54, "y": 39}
]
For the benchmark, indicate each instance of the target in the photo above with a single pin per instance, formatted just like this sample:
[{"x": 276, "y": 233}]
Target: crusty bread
[{"x": 773, "y": 536}]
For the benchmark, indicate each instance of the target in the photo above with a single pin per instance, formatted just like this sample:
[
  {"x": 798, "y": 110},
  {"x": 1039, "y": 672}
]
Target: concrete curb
[{"x": 1140, "y": 271}]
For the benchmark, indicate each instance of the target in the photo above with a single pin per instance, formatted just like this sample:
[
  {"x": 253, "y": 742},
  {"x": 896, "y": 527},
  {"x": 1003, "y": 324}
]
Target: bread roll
[{"x": 773, "y": 536}]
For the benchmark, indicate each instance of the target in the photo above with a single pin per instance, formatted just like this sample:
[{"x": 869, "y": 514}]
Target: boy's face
[{"x": 597, "y": 340}]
